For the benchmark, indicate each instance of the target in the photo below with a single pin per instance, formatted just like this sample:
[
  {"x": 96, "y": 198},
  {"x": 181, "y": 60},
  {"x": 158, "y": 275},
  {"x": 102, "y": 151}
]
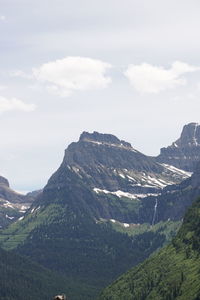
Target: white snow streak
[
  {"x": 117, "y": 193},
  {"x": 173, "y": 169}
]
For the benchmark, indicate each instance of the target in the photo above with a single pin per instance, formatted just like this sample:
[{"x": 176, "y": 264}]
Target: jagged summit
[
  {"x": 4, "y": 181},
  {"x": 102, "y": 138},
  {"x": 190, "y": 136},
  {"x": 184, "y": 153}
]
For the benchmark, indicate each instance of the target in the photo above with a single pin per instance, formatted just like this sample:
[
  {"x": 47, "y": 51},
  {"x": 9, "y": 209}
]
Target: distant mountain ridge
[
  {"x": 101, "y": 181},
  {"x": 184, "y": 153},
  {"x": 13, "y": 205}
]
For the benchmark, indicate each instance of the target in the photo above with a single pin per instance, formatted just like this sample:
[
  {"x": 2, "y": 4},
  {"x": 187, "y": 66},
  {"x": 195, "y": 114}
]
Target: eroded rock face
[
  {"x": 185, "y": 152},
  {"x": 117, "y": 176},
  {"x": 110, "y": 163}
]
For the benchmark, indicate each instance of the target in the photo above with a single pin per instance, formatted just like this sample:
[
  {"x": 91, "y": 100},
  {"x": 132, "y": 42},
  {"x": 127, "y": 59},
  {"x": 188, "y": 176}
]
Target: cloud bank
[
  {"x": 15, "y": 104},
  {"x": 146, "y": 78},
  {"x": 73, "y": 73}
]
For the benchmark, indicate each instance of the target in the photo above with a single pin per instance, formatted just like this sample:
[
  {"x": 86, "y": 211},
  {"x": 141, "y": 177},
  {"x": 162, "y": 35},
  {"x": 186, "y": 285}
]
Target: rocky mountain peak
[
  {"x": 190, "y": 135},
  {"x": 4, "y": 181},
  {"x": 184, "y": 153},
  {"x": 102, "y": 138}
]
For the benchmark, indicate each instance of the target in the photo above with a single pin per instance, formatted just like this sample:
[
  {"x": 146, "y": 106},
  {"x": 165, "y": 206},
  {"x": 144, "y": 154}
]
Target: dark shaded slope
[
  {"x": 105, "y": 162},
  {"x": 22, "y": 279},
  {"x": 172, "y": 274},
  {"x": 173, "y": 202}
]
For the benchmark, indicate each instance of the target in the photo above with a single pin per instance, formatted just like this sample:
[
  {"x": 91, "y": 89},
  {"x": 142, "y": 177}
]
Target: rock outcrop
[
  {"x": 185, "y": 152},
  {"x": 13, "y": 205}
]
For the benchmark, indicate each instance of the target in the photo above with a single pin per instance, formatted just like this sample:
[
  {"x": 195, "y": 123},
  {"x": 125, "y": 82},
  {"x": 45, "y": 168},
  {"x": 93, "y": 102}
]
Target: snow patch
[
  {"x": 113, "y": 221},
  {"x": 8, "y": 204},
  {"x": 34, "y": 209},
  {"x": 23, "y": 207},
  {"x": 122, "y": 175},
  {"x": 37, "y": 208},
  {"x": 131, "y": 178},
  {"x": 117, "y": 193},
  {"x": 177, "y": 171},
  {"x": 75, "y": 169},
  {"x": 7, "y": 217},
  {"x": 175, "y": 145},
  {"x": 194, "y": 138}
]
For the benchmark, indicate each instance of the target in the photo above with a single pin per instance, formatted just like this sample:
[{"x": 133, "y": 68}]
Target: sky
[{"x": 130, "y": 68}]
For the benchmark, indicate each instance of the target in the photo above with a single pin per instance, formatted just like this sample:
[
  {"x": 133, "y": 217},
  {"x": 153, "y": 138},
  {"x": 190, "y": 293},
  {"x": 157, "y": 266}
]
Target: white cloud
[
  {"x": 146, "y": 78},
  {"x": 15, "y": 104},
  {"x": 2, "y": 18},
  {"x": 66, "y": 75}
]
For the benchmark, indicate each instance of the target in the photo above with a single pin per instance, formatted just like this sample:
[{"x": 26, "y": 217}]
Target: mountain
[
  {"x": 172, "y": 202},
  {"x": 185, "y": 152},
  {"x": 13, "y": 205},
  {"x": 71, "y": 227},
  {"x": 62, "y": 232},
  {"x": 118, "y": 175},
  {"x": 171, "y": 274},
  {"x": 109, "y": 163},
  {"x": 101, "y": 178}
]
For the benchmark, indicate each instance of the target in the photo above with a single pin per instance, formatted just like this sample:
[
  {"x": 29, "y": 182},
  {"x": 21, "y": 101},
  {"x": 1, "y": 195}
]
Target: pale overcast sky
[{"x": 130, "y": 68}]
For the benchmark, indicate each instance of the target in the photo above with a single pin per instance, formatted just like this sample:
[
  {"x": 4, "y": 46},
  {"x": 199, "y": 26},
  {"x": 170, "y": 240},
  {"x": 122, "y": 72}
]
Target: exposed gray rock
[
  {"x": 105, "y": 162},
  {"x": 4, "y": 181},
  {"x": 185, "y": 152},
  {"x": 13, "y": 205},
  {"x": 115, "y": 175}
]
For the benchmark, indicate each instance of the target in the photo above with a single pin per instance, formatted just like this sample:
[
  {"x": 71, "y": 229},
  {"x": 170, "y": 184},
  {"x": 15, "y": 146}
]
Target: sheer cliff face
[{"x": 185, "y": 152}]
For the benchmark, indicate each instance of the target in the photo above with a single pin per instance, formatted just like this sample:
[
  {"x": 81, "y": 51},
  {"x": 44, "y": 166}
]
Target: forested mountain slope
[{"x": 171, "y": 274}]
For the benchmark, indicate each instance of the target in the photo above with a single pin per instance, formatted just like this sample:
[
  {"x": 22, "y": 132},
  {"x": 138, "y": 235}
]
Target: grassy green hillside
[
  {"x": 171, "y": 274},
  {"x": 68, "y": 241}
]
